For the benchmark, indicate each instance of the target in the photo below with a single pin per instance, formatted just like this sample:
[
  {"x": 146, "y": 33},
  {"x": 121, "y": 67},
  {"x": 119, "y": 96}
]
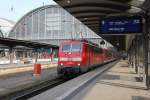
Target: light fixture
[
  {"x": 85, "y": 18},
  {"x": 117, "y": 44},
  {"x": 68, "y": 1},
  {"x": 134, "y": 10},
  {"x": 136, "y": 3}
]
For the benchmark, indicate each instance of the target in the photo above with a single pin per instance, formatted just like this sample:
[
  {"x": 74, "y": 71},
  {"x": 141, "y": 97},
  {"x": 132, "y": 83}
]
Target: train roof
[{"x": 83, "y": 40}]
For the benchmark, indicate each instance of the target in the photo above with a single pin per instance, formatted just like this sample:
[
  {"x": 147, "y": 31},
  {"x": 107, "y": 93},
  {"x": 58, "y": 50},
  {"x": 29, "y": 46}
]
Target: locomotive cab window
[
  {"x": 66, "y": 47},
  {"x": 71, "y": 48},
  {"x": 76, "y": 47}
]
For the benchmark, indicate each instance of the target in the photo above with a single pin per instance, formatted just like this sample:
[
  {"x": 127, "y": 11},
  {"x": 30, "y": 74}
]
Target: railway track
[{"x": 32, "y": 91}]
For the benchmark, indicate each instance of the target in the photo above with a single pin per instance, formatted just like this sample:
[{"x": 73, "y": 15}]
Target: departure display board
[{"x": 121, "y": 25}]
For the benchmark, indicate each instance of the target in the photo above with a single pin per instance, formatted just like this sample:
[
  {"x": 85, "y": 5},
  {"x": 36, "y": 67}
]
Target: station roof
[
  {"x": 91, "y": 11},
  {"x": 30, "y": 44}
]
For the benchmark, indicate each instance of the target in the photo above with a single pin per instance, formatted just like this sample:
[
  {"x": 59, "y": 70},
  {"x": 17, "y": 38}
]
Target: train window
[
  {"x": 76, "y": 47},
  {"x": 66, "y": 47}
]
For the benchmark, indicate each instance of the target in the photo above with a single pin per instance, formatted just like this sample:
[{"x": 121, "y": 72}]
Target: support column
[
  {"x": 36, "y": 55},
  {"x": 11, "y": 56},
  {"x": 136, "y": 48},
  {"x": 146, "y": 46},
  {"x": 51, "y": 54},
  {"x": 24, "y": 54}
]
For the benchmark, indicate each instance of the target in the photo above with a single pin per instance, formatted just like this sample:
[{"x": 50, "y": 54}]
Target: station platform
[
  {"x": 118, "y": 83},
  {"x": 19, "y": 68},
  {"x": 113, "y": 81},
  {"x": 20, "y": 77}
]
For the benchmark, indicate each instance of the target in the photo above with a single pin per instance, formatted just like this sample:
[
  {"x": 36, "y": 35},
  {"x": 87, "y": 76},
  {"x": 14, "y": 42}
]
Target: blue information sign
[{"x": 121, "y": 25}]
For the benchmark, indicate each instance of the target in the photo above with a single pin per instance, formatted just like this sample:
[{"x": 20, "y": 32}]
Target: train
[{"x": 79, "y": 56}]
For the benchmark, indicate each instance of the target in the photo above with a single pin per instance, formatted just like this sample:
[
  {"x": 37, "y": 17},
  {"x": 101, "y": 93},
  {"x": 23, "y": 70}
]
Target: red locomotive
[{"x": 77, "y": 56}]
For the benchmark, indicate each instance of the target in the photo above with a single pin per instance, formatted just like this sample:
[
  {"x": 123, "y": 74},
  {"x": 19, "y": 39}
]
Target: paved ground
[
  {"x": 16, "y": 81},
  {"x": 6, "y": 66},
  {"x": 6, "y": 60},
  {"x": 119, "y": 83},
  {"x": 19, "y": 68}
]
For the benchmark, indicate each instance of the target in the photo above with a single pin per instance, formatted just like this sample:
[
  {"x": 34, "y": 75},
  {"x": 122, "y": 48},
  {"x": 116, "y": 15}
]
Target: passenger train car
[{"x": 77, "y": 56}]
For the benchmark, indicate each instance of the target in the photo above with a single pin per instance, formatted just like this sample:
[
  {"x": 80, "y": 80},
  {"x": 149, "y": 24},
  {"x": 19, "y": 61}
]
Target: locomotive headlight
[
  {"x": 61, "y": 64},
  {"x": 78, "y": 64}
]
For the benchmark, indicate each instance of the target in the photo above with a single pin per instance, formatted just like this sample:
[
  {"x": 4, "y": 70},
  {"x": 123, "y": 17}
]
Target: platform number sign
[{"x": 121, "y": 25}]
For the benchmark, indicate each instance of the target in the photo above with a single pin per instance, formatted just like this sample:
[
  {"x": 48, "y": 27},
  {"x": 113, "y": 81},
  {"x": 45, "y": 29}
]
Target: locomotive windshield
[
  {"x": 71, "y": 48},
  {"x": 66, "y": 47},
  {"x": 76, "y": 47}
]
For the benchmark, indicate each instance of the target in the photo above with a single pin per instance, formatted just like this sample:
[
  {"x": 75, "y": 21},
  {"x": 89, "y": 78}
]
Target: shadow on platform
[{"x": 139, "y": 98}]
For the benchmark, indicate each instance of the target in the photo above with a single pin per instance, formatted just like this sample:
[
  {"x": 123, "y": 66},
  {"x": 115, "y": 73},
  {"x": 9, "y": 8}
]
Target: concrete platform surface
[
  {"x": 13, "y": 82},
  {"x": 9, "y": 66},
  {"x": 18, "y": 68},
  {"x": 118, "y": 83},
  {"x": 66, "y": 90}
]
